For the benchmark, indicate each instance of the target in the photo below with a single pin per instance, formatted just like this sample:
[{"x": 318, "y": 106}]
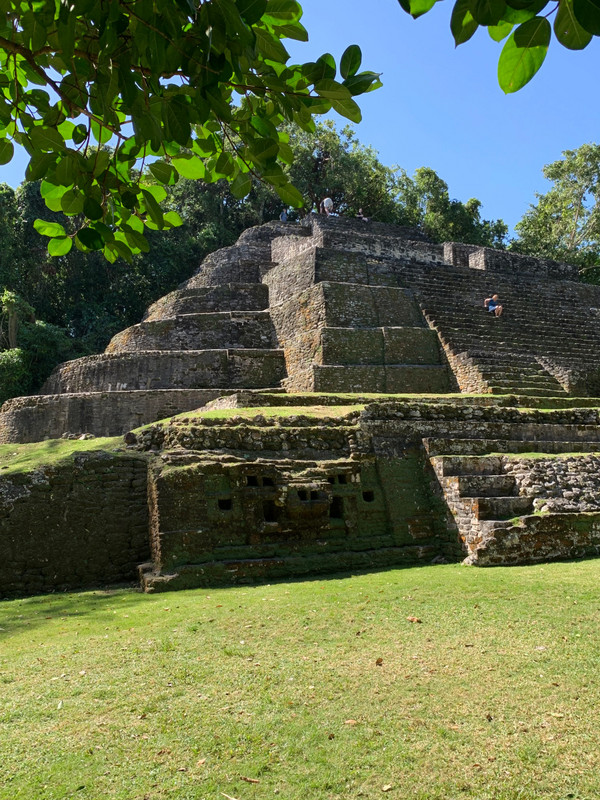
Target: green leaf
[
  {"x": 332, "y": 90},
  {"x": 462, "y": 22},
  {"x": 487, "y": 12},
  {"x": 47, "y": 139},
  {"x": 136, "y": 240},
  {"x": 361, "y": 83},
  {"x": 568, "y": 30},
  {"x": 71, "y": 203},
  {"x": 159, "y": 193},
  {"x": 587, "y": 14},
  {"x": 191, "y": 168},
  {"x": 282, "y": 11},
  {"x": 290, "y": 195},
  {"x": 90, "y": 238},
  {"x": 175, "y": 116},
  {"x": 155, "y": 211},
  {"x": 251, "y": 10},
  {"x": 350, "y": 62},
  {"x": 39, "y": 165},
  {"x": 6, "y": 151},
  {"x": 51, "y": 229},
  {"x": 122, "y": 250},
  {"x": 518, "y": 63},
  {"x": 92, "y": 209},
  {"x": 534, "y": 33},
  {"x": 270, "y": 47},
  {"x": 100, "y": 132},
  {"x": 292, "y": 30},
  {"x": 420, "y": 7},
  {"x": 241, "y": 186},
  {"x": 347, "y": 108},
  {"x": 500, "y": 31},
  {"x": 164, "y": 173},
  {"x": 105, "y": 232},
  {"x": 60, "y": 246},
  {"x": 326, "y": 63},
  {"x": 225, "y": 165},
  {"x": 173, "y": 219},
  {"x": 264, "y": 150},
  {"x": 518, "y": 15}
]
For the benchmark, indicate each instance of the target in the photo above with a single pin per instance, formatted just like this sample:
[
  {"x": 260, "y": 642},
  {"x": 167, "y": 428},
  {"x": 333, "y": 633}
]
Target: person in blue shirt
[{"x": 493, "y": 304}]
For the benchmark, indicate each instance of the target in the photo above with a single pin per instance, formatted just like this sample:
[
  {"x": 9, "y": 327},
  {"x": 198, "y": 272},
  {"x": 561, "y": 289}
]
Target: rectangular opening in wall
[
  {"x": 303, "y": 494},
  {"x": 336, "y": 509},
  {"x": 225, "y": 504},
  {"x": 314, "y": 495},
  {"x": 342, "y": 479},
  {"x": 331, "y": 479},
  {"x": 271, "y": 512},
  {"x": 251, "y": 480},
  {"x": 268, "y": 482},
  {"x": 368, "y": 496}
]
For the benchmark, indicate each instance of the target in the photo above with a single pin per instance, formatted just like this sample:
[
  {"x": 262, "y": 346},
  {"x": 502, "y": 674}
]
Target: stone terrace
[{"x": 293, "y": 319}]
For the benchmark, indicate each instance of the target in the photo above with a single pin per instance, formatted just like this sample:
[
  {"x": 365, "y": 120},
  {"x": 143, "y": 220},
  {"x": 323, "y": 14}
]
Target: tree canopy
[
  {"x": 564, "y": 223},
  {"x": 526, "y": 25},
  {"x": 116, "y": 101}
]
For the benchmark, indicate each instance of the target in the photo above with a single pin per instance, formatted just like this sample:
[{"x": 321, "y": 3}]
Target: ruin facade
[{"x": 325, "y": 324}]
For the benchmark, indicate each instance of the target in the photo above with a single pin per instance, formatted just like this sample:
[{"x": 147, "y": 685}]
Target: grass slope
[
  {"x": 26, "y": 457},
  {"x": 309, "y": 691}
]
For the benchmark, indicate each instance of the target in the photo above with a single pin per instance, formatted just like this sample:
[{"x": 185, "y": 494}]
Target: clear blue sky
[{"x": 442, "y": 107}]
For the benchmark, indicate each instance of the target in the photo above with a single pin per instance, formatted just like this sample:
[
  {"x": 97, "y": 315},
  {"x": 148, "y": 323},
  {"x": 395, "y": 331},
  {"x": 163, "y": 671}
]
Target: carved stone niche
[{"x": 308, "y": 500}]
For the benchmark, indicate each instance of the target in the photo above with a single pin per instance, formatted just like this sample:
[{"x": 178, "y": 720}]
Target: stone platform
[{"x": 319, "y": 375}]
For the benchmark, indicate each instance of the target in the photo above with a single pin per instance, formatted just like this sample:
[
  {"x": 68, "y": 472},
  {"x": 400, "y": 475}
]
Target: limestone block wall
[
  {"x": 207, "y": 299},
  {"x": 39, "y": 417},
  {"x": 247, "y": 521},
  {"x": 558, "y": 484},
  {"x": 486, "y": 258},
  {"x": 242, "y": 262},
  {"x": 206, "y": 331},
  {"x": 167, "y": 370},
  {"x": 79, "y": 523},
  {"x": 535, "y": 539}
]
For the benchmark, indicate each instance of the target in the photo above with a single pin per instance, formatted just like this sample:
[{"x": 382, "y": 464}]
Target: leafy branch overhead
[
  {"x": 527, "y": 25},
  {"x": 114, "y": 100}
]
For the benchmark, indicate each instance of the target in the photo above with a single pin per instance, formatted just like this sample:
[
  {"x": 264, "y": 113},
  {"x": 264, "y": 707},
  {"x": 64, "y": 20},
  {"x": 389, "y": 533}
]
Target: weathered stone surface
[
  {"x": 328, "y": 306},
  {"x": 80, "y": 523},
  {"x": 191, "y": 369},
  {"x": 33, "y": 419}
]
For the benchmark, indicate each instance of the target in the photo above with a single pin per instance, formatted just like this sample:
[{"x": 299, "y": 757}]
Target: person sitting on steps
[{"x": 493, "y": 304}]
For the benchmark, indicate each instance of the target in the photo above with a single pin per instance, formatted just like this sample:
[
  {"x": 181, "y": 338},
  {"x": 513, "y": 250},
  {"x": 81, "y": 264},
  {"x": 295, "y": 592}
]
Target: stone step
[
  {"x": 527, "y": 390},
  {"x": 389, "y": 378},
  {"x": 156, "y": 369},
  {"x": 204, "y": 300},
  {"x": 224, "y": 330},
  {"x": 450, "y": 466},
  {"x": 502, "y": 507},
  {"x": 498, "y": 485},
  {"x": 440, "y": 446}
]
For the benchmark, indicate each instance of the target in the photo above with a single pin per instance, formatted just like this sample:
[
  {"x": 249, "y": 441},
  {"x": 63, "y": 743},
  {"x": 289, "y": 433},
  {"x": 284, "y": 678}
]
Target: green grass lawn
[{"x": 308, "y": 691}]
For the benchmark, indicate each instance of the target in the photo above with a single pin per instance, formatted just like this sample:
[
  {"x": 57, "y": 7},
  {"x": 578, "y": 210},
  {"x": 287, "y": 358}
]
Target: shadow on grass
[{"x": 27, "y": 613}]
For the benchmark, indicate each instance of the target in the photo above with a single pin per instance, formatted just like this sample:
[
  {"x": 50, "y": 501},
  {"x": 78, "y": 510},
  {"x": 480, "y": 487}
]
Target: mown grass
[
  {"x": 316, "y": 411},
  {"x": 24, "y": 457},
  {"x": 310, "y": 690}
]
